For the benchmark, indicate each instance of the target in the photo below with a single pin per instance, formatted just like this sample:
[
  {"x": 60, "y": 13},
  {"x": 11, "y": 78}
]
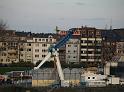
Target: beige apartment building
[
  {"x": 40, "y": 47},
  {"x": 26, "y": 51},
  {"x": 32, "y": 49},
  {"x": 8, "y": 51}
]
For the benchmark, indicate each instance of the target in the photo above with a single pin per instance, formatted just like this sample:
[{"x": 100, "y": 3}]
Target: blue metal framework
[{"x": 61, "y": 42}]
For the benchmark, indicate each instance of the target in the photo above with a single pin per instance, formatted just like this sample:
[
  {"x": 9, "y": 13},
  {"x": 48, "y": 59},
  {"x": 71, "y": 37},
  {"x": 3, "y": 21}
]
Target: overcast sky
[{"x": 44, "y": 15}]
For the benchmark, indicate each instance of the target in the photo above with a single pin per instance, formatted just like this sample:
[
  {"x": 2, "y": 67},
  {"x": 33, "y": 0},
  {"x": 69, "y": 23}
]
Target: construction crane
[{"x": 53, "y": 52}]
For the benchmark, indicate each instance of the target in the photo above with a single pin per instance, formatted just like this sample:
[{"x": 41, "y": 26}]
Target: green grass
[{"x": 8, "y": 69}]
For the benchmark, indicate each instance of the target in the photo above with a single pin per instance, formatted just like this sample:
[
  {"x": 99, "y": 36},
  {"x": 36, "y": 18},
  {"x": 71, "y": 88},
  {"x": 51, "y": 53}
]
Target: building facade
[
  {"x": 40, "y": 47},
  {"x": 10, "y": 49},
  {"x": 120, "y": 48},
  {"x": 26, "y": 51},
  {"x": 91, "y": 45},
  {"x": 73, "y": 51},
  {"x": 70, "y": 52}
]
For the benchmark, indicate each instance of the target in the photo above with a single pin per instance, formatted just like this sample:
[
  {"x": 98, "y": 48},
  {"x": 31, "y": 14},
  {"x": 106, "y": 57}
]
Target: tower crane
[{"x": 53, "y": 51}]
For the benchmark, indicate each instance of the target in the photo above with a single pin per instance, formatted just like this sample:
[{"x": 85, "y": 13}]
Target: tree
[
  {"x": 3, "y": 25},
  {"x": 22, "y": 64}
]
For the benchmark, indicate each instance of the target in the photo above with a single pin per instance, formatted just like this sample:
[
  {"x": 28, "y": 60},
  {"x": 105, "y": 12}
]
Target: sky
[{"x": 44, "y": 15}]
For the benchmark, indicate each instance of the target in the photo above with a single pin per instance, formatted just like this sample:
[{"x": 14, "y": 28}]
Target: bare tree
[{"x": 3, "y": 25}]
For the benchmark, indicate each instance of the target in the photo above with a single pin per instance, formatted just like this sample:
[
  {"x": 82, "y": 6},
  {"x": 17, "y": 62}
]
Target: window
[
  {"x": 1, "y": 60},
  {"x": 93, "y": 77},
  {"x": 37, "y": 56},
  {"x": 21, "y": 44},
  {"x": 88, "y": 77},
  {"x": 43, "y": 40},
  {"x": 8, "y": 60},
  {"x": 29, "y": 44},
  {"x": 91, "y": 33},
  {"x": 50, "y": 40},
  {"x": 21, "y": 49},
  {"x": 74, "y": 51},
  {"x": 119, "y": 51},
  {"x": 29, "y": 60},
  {"x": 89, "y": 52},
  {"x": 3, "y": 54},
  {"x": 84, "y": 57},
  {"x": 98, "y": 41},
  {"x": 3, "y": 48},
  {"x": 28, "y": 49},
  {"x": 46, "y": 40},
  {"x": 68, "y": 56},
  {"x": 43, "y": 55},
  {"x": 39, "y": 39},
  {"x": 68, "y": 51},
  {"x": 37, "y": 44},
  {"x": 3, "y": 44},
  {"x": 35, "y": 40},
  {"x": 75, "y": 45},
  {"x": 44, "y": 50},
  {"x": 44, "y": 45},
  {"x": 16, "y": 44},
  {"x": 69, "y": 45},
  {"x": 83, "y": 46},
  {"x": 98, "y": 33},
  {"x": 83, "y": 52},
  {"x": 36, "y": 50}
]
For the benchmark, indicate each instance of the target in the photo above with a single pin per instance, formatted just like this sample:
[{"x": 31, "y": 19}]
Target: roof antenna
[
  {"x": 111, "y": 24},
  {"x": 106, "y": 26}
]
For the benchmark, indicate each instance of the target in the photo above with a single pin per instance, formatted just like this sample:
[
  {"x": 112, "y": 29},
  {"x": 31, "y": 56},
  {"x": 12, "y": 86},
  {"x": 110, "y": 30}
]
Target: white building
[
  {"x": 73, "y": 51},
  {"x": 91, "y": 79}
]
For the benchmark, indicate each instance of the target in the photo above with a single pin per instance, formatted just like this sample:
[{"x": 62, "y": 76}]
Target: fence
[{"x": 49, "y": 76}]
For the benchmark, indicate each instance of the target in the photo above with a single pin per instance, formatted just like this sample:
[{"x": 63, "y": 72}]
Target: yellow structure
[{"x": 36, "y": 83}]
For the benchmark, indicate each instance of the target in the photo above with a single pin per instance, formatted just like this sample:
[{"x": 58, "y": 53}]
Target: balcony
[
  {"x": 84, "y": 44},
  {"x": 12, "y": 51},
  {"x": 83, "y": 59}
]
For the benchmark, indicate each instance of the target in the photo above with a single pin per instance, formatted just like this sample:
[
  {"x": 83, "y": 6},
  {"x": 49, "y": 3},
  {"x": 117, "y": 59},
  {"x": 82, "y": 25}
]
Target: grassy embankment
[{"x": 8, "y": 69}]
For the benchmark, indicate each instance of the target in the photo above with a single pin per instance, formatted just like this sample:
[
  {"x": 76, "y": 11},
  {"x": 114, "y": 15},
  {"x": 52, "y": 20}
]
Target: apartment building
[
  {"x": 40, "y": 47},
  {"x": 3, "y": 53},
  {"x": 25, "y": 51},
  {"x": 91, "y": 45},
  {"x": 70, "y": 52},
  {"x": 9, "y": 50},
  {"x": 120, "y": 48},
  {"x": 73, "y": 51},
  {"x": 120, "y": 43},
  {"x": 10, "y": 46},
  {"x": 110, "y": 39}
]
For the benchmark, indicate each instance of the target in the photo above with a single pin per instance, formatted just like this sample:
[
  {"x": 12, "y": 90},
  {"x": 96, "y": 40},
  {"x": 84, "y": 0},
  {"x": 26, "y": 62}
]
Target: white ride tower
[{"x": 52, "y": 52}]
